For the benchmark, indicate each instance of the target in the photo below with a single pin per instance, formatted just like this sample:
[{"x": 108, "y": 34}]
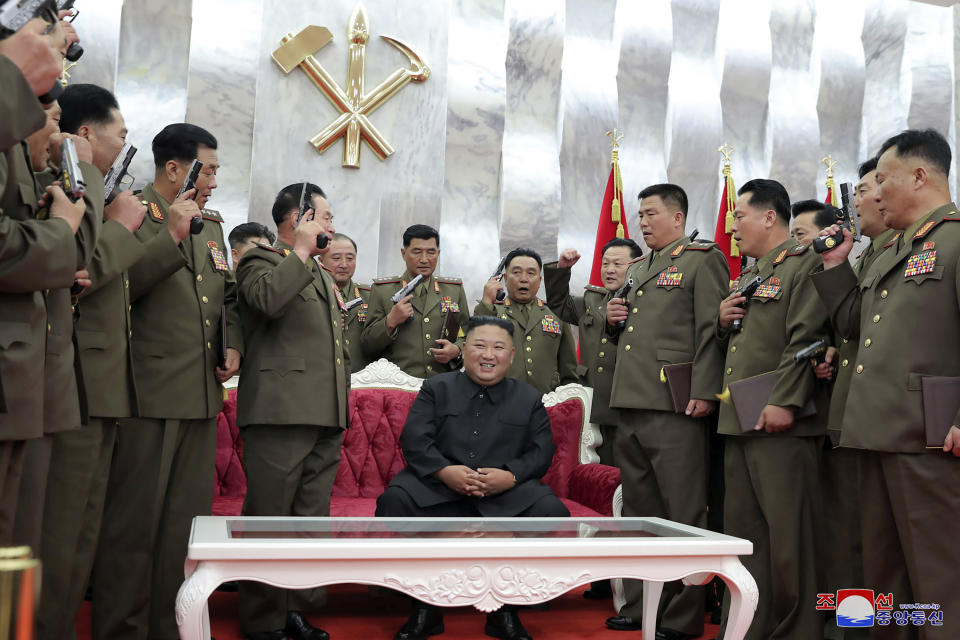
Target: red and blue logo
[{"x": 855, "y": 608}]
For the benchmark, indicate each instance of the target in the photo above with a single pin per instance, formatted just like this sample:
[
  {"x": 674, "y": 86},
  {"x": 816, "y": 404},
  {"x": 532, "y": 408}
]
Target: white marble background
[{"x": 504, "y": 144}]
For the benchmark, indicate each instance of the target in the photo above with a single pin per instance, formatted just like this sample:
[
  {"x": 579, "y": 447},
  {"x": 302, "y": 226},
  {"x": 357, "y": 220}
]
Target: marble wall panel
[
  {"x": 929, "y": 51},
  {"x": 885, "y": 106},
  {"x": 840, "y": 104},
  {"x": 589, "y": 89},
  {"x": 792, "y": 126},
  {"x": 644, "y": 33},
  {"x": 98, "y": 25},
  {"x": 476, "y": 101},
  {"x": 152, "y": 73},
  {"x": 743, "y": 43},
  {"x": 530, "y": 182},
  {"x": 694, "y": 116},
  {"x": 290, "y": 110},
  {"x": 224, "y": 57}
]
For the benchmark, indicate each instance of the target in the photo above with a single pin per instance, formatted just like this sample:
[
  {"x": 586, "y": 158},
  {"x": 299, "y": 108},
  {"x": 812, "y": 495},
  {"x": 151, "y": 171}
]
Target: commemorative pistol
[
  {"x": 407, "y": 290},
  {"x": 117, "y": 174},
  {"x": 847, "y": 219},
  {"x": 747, "y": 291}
]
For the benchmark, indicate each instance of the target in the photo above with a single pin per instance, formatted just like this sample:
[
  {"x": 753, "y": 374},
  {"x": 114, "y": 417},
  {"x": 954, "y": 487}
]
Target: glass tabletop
[{"x": 420, "y": 528}]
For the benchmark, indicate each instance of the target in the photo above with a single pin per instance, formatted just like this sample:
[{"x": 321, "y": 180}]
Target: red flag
[
  {"x": 723, "y": 236},
  {"x": 611, "y": 219},
  {"x": 831, "y": 196}
]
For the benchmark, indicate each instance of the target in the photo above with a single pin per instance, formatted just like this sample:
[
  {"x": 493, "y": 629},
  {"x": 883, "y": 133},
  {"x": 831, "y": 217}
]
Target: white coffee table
[{"x": 484, "y": 562}]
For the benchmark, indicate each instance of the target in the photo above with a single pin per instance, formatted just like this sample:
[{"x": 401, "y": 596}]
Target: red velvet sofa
[{"x": 380, "y": 397}]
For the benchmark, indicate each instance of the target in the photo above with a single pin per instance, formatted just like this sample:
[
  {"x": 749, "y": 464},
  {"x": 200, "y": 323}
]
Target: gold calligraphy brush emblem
[{"x": 354, "y": 104}]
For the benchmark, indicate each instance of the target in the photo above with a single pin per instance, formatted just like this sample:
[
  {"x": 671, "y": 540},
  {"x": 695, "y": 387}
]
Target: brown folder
[
  {"x": 678, "y": 380},
  {"x": 451, "y": 326},
  {"x": 751, "y": 395},
  {"x": 941, "y": 402}
]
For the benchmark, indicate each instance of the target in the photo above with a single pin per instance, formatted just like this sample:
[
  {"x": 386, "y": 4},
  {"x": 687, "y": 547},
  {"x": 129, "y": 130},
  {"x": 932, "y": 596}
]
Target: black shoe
[
  {"x": 424, "y": 621},
  {"x": 267, "y": 635},
  {"x": 299, "y": 628},
  {"x": 505, "y": 624},
  {"x": 669, "y": 634},
  {"x": 599, "y": 590},
  {"x": 623, "y": 623}
]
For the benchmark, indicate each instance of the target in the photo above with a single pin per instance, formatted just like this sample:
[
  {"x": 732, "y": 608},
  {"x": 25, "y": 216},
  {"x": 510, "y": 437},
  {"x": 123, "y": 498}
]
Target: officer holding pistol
[
  {"x": 407, "y": 332},
  {"x": 341, "y": 261},
  {"x": 546, "y": 354}
]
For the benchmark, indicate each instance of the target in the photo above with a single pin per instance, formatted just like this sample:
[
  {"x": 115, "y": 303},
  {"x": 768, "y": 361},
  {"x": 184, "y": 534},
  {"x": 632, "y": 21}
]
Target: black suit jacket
[{"x": 456, "y": 421}]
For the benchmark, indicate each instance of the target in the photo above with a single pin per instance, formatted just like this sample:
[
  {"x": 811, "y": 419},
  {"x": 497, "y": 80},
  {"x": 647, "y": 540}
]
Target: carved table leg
[
  {"x": 651, "y": 602},
  {"x": 744, "y": 596},
  {"x": 193, "y": 618}
]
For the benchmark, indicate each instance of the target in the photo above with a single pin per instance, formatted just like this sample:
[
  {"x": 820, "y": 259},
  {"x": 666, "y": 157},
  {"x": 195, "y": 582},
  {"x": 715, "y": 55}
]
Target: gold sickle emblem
[{"x": 354, "y": 104}]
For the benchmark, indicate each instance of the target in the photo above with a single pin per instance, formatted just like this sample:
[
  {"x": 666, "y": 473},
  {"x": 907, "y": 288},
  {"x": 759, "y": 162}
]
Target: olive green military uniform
[
  {"x": 80, "y": 462},
  {"x": 408, "y": 346},
  {"x": 598, "y": 355},
  {"x": 772, "y": 493},
  {"x": 35, "y": 255},
  {"x": 354, "y": 321},
  {"x": 163, "y": 469},
  {"x": 62, "y": 388},
  {"x": 292, "y": 403},
  {"x": 903, "y": 312},
  {"x": 841, "y": 547},
  {"x": 546, "y": 356},
  {"x": 663, "y": 455}
]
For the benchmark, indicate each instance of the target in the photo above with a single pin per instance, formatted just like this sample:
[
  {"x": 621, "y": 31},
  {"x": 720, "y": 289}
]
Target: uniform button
[
  {"x": 208, "y": 346},
  {"x": 859, "y": 368},
  {"x": 472, "y": 454},
  {"x": 529, "y": 373},
  {"x": 529, "y": 348},
  {"x": 205, "y": 299},
  {"x": 639, "y": 293},
  {"x": 345, "y": 341},
  {"x": 427, "y": 336},
  {"x": 475, "y": 432},
  {"x": 733, "y": 349},
  {"x": 126, "y": 283},
  {"x": 504, "y": 316},
  {"x": 336, "y": 342},
  {"x": 129, "y": 334},
  {"x": 867, "y": 342},
  {"x": 599, "y": 369},
  {"x": 199, "y": 277},
  {"x": 338, "y": 360},
  {"x": 428, "y": 351},
  {"x": 627, "y": 348},
  {"x": 844, "y": 363},
  {"x": 429, "y": 368},
  {"x": 206, "y": 322},
  {"x": 49, "y": 328},
  {"x": 876, "y": 318},
  {"x": 529, "y": 338},
  {"x": 530, "y": 360},
  {"x": 603, "y": 341},
  {"x": 600, "y": 354},
  {"x": 845, "y": 341},
  {"x": 729, "y": 370},
  {"x": 884, "y": 294},
  {"x": 629, "y": 329},
  {"x": 425, "y": 320},
  {"x": 634, "y": 310},
  {"x": 129, "y": 308}
]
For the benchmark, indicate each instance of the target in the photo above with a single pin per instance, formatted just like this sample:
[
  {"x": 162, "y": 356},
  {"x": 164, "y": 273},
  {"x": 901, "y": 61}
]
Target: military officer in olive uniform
[
  {"x": 80, "y": 459},
  {"x": 291, "y": 311},
  {"x": 408, "y": 333},
  {"x": 546, "y": 354},
  {"x": 771, "y": 470},
  {"x": 36, "y": 256},
  {"x": 903, "y": 313},
  {"x": 162, "y": 472},
  {"x": 669, "y": 318},
  {"x": 598, "y": 356},
  {"x": 341, "y": 261}
]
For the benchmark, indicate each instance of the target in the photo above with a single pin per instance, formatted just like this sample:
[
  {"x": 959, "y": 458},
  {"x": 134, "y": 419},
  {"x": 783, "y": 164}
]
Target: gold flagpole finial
[
  {"x": 65, "y": 73},
  {"x": 830, "y": 164},
  {"x": 615, "y": 137},
  {"x": 726, "y": 151}
]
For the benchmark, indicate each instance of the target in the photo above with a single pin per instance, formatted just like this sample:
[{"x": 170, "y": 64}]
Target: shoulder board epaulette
[
  {"x": 701, "y": 245},
  {"x": 540, "y": 303},
  {"x": 797, "y": 250},
  {"x": 363, "y": 287},
  {"x": 781, "y": 257},
  {"x": 210, "y": 214},
  {"x": 892, "y": 241},
  {"x": 952, "y": 218},
  {"x": 635, "y": 260},
  {"x": 389, "y": 280},
  {"x": 678, "y": 250},
  {"x": 595, "y": 289},
  {"x": 155, "y": 211},
  {"x": 269, "y": 248},
  {"x": 325, "y": 267},
  {"x": 446, "y": 280}
]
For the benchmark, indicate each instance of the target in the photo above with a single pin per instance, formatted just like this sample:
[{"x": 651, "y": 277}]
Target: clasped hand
[{"x": 480, "y": 483}]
